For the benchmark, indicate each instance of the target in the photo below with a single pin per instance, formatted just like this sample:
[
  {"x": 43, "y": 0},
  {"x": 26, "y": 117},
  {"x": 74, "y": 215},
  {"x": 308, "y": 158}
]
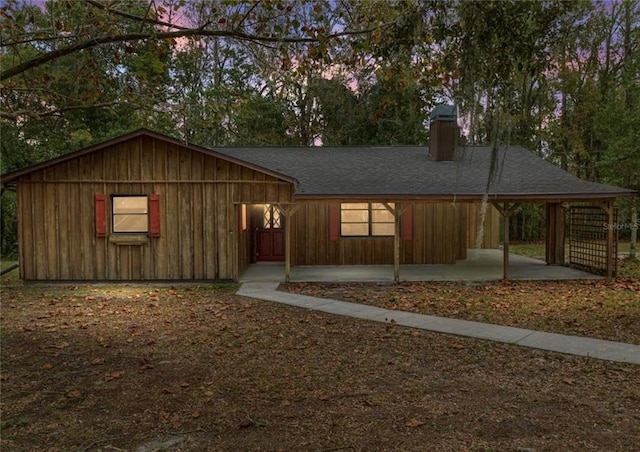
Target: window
[
  {"x": 366, "y": 220},
  {"x": 271, "y": 218},
  {"x": 130, "y": 214}
]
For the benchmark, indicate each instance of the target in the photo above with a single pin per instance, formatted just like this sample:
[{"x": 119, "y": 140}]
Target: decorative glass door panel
[{"x": 270, "y": 235}]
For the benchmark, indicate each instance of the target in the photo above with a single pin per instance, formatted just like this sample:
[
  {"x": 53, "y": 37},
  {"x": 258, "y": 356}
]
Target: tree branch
[
  {"x": 147, "y": 20},
  {"x": 15, "y": 115},
  {"x": 247, "y": 14},
  {"x": 108, "y": 39}
]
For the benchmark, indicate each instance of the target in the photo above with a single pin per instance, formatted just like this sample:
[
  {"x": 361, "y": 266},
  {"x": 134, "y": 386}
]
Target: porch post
[
  {"x": 287, "y": 211},
  {"x": 397, "y": 213},
  {"x": 396, "y": 246}
]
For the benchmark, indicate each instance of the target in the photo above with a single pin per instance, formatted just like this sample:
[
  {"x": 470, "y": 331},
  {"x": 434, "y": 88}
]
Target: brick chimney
[{"x": 443, "y": 131}]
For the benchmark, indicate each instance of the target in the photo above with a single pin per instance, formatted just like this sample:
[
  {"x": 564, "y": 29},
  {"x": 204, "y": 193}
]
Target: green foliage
[
  {"x": 498, "y": 52},
  {"x": 528, "y": 223},
  {"x": 260, "y": 121},
  {"x": 507, "y": 64},
  {"x": 8, "y": 225}
]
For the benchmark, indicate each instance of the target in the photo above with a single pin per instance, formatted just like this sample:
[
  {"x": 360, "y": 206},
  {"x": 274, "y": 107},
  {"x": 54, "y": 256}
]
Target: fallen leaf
[
  {"x": 114, "y": 375},
  {"x": 413, "y": 423}
]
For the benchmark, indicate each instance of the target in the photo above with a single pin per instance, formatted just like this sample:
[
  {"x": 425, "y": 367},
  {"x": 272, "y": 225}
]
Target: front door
[{"x": 270, "y": 235}]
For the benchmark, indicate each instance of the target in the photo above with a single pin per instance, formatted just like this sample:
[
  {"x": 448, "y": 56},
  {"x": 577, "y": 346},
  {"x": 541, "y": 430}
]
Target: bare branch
[
  {"x": 247, "y": 14},
  {"x": 40, "y": 39},
  {"x": 147, "y": 20},
  {"x": 15, "y": 115}
]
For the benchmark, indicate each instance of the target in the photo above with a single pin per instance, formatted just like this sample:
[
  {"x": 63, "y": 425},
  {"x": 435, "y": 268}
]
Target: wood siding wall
[
  {"x": 441, "y": 233},
  {"x": 199, "y": 207}
]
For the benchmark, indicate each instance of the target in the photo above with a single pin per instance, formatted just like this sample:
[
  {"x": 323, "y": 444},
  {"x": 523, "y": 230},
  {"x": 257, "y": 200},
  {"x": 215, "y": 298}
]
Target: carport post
[
  {"x": 505, "y": 256},
  {"x": 506, "y": 212},
  {"x": 554, "y": 238},
  {"x": 607, "y": 206}
]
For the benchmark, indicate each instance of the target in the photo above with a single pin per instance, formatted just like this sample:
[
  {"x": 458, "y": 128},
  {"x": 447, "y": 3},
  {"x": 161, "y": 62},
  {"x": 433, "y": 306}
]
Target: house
[{"x": 144, "y": 206}]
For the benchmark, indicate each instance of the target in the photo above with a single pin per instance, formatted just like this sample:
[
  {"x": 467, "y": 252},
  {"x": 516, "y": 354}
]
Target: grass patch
[
  {"x": 629, "y": 268},
  {"x": 12, "y": 277}
]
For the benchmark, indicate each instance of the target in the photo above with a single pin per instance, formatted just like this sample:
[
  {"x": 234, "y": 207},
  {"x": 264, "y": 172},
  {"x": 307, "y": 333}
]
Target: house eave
[{"x": 470, "y": 197}]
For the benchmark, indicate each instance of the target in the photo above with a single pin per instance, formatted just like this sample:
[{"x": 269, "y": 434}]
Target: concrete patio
[{"x": 481, "y": 265}]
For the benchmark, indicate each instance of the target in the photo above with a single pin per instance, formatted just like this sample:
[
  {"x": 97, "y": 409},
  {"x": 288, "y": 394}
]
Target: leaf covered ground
[
  {"x": 142, "y": 368},
  {"x": 593, "y": 308}
]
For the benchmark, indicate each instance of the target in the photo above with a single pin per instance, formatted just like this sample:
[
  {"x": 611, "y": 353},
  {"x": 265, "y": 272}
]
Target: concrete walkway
[{"x": 573, "y": 345}]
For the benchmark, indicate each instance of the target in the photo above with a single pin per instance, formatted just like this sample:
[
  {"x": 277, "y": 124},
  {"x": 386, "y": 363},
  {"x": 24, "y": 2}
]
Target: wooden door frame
[{"x": 259, "y": 229}]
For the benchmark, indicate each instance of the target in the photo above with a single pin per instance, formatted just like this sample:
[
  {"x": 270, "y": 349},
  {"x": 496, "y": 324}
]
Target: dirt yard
[{"x": 112, "y": 368}]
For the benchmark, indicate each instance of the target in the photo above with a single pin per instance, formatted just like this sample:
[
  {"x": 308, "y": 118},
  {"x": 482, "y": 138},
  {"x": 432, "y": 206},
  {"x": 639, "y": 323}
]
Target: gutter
[{"x": 503, "y": 197}]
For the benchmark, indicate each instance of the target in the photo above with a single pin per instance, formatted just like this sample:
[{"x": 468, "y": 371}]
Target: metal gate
[{"x": 588, "y": 244}]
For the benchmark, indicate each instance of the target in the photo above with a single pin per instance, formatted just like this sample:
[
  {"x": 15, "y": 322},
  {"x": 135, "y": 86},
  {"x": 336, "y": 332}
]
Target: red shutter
[
  {"x": 334, "y": 222},
  {"x": 407, "y": 224},
  {"x": 154, "y": 215},
  {"x": 101, "y": 214}
]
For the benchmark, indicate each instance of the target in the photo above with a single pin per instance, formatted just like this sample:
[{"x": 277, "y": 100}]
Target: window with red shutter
[
  {"x": 135, "y": 214},
  {"x": 366, "y": 219}
]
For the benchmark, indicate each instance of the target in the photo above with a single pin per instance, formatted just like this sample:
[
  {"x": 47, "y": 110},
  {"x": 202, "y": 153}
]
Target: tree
[{"x": 35, "y": 40}]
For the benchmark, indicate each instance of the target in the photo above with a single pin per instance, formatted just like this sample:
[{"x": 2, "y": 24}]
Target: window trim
[
  {"x": 114, "y": 215},
  {"x": 370, "y": 222}
]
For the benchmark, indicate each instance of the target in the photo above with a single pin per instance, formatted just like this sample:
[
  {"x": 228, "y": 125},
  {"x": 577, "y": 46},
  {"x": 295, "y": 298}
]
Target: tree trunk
[{"x": 634, "y": 228}]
